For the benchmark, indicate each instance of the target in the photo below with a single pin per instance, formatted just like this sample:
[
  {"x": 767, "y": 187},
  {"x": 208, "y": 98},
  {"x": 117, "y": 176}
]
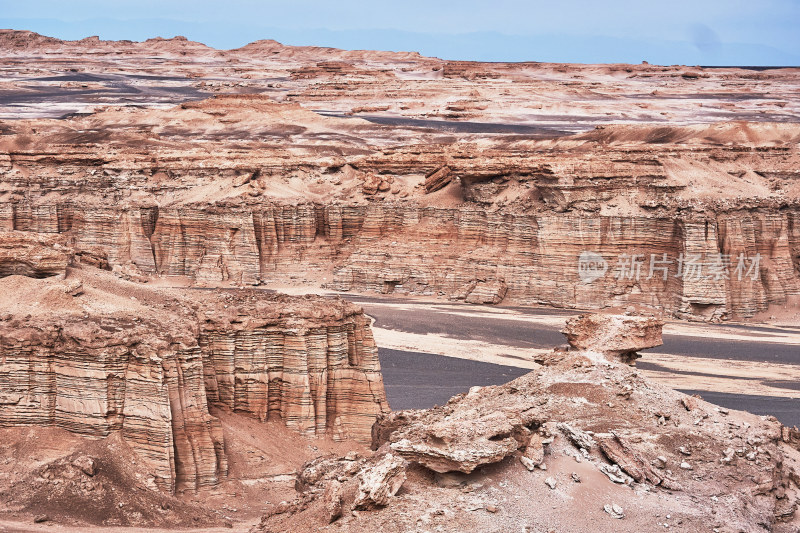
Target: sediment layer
[
  {"x": 440, "y": 251},
  {"x": 92, "y": 363}
]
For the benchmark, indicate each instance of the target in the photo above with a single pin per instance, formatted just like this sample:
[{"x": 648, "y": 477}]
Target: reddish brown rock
[
  {"x": 487, "y": 292},
  {"x": 533, "y": 454},
  {"x": 150, "y": 365},
  {"x": 618, "y": 337},
  {"x": 31, "y": 254},
  {"x": 620, "y": 453},
  {"x": 372, "y": 184},
  {"x": 438, "y": 179},
  {"x": 378, "y": 483},
  {"x": 332, "y": 500}
]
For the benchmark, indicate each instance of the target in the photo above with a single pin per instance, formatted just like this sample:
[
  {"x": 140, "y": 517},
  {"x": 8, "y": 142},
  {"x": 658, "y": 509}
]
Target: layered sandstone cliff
[
  {"x": 37, "y": 255},
  {"x": 311, "y": 362},
  {"x": 446, "y": 251},
  {"x": 250, "y": 189},
  {"x": 119, "y": 358},
  {"x": 98, "y": 376}
]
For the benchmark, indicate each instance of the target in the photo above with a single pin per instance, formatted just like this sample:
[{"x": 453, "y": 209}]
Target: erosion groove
[
  {"x": 310, "y": 363},
  {"x": 439, "y": 251}
]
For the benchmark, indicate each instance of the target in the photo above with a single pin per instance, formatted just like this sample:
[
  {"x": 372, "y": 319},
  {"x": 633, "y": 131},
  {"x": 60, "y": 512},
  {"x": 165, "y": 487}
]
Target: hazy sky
[{"x": 708, "y": 32}]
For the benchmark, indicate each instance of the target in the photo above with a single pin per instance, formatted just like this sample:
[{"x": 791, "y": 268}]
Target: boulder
[
  {"x": 332, "y": 500},
  {"x": 462, "y": 438},
  {"x": 371, "y": 184},
  {"x": 533, "y": 454},
  {"x": 487, "y": 292},
  {"x": 377, "y": 484},
  {"x": 438, "y": 179},
  {"x": 621, "y": 453},
  {"x": 579, "y": 438},
  {"x": 86, "y": 464}
]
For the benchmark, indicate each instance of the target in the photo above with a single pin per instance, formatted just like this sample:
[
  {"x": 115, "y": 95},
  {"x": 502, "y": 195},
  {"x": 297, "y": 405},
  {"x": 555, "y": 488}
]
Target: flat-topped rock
[{"x": 618, "y": 337}]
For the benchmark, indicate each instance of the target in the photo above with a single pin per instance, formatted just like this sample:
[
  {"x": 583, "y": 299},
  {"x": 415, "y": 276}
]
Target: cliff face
[
  {"x": 317, "y": 376},
  {"x": 84, "y": 364},
  {"x": 732, "y": 264},
  {"x": 96, "y": 377},
  {"x": 539, "y": 258},
  {"x": 699, "y": 221}
]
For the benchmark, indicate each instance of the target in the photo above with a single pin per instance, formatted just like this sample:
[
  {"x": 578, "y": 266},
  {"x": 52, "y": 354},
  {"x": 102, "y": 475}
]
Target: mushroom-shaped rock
[{"x": 618, "y": 337}]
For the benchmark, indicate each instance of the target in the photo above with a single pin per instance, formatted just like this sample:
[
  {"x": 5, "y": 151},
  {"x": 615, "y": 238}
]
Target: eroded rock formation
[
  {"x": 617, "y": 337},
  {"x": 616, "y": 432},
  {"x": 421, "y": 176},
  {"x": 584, "y": 430},
  {"x": 464, "y": 440},
  {"x": 537, "y": 257},
  {"x": 119, "y": 358},
  {"x": 516, "y": 226},
  {"x": 35, "y": 255},
  {"x": 312, "y": 362}
]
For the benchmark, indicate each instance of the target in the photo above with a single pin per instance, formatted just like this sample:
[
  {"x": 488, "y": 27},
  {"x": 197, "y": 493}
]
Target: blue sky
[{"x": 693, "y": 32}]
